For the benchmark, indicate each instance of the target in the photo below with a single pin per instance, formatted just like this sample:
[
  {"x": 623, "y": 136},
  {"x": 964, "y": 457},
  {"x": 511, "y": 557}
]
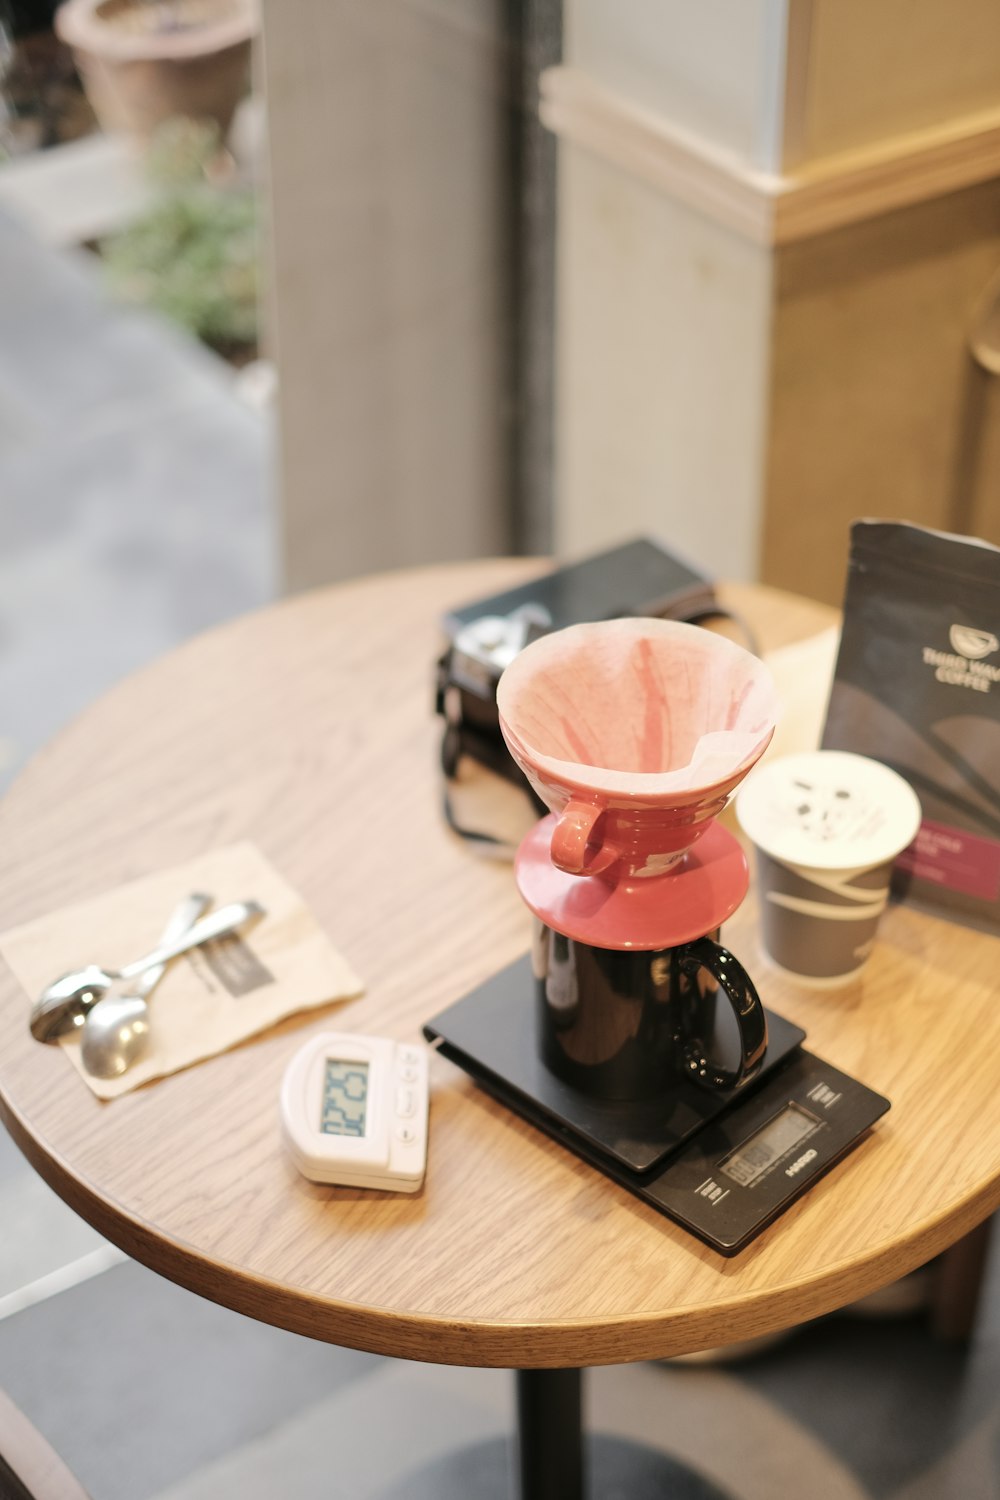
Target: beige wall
[
  {"x": 750, "y": 359},
  {"x": 662, "y": 338},
  {"x": 709, "y": 67},
  {"x": 387, "y": 312},
  {"x": 741, "y": 398}
]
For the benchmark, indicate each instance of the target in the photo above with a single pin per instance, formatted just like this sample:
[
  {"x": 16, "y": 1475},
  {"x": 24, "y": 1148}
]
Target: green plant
[{"x": 193, "y": 254}]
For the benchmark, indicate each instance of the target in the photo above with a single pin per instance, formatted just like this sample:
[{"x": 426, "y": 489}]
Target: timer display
[{"x": 345, "y": 1097}]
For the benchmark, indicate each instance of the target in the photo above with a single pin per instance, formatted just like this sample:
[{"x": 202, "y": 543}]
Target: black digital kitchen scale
[{"x": 722, "y": 1164}]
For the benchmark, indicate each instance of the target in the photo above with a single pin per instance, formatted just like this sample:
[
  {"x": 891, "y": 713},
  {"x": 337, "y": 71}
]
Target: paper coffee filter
[{"x": 636, "y": 706}]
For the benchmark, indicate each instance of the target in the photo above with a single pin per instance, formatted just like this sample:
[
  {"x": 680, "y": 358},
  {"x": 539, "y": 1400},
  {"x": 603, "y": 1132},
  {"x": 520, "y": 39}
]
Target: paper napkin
[{"x": 210, "y": 999}]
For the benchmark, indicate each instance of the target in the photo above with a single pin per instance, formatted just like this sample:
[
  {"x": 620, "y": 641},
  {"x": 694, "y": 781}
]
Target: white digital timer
[{"x": 354, "y": 1111}]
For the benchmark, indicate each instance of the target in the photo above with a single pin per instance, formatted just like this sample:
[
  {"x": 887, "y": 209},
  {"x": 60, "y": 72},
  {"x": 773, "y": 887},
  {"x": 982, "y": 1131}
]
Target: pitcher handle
[{"x": 739, "y": 990}]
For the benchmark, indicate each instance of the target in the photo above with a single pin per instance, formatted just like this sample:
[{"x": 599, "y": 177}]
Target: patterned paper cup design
[{"x": 827, "y": 827}]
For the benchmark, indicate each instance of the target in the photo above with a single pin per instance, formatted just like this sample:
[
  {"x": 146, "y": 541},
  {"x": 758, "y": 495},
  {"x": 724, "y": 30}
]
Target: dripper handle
[{"x": 572, "y": 836}]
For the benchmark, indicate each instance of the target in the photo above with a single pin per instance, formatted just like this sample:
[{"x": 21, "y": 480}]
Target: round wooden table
[{"x": 308, "y": 729}]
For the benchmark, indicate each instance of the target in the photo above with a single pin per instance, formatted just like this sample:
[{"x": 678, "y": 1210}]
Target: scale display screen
[
  {"x": 756, "y": 1155},
  {"x": 345, "y": 1098}
]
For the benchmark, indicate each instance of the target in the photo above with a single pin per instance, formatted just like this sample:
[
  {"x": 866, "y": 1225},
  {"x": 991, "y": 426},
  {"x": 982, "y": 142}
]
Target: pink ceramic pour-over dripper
[{"x": 635, "y": 732}]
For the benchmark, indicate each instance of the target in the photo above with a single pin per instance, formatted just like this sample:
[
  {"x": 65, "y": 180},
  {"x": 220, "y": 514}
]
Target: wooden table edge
[{"x": 506, "y": 1344}]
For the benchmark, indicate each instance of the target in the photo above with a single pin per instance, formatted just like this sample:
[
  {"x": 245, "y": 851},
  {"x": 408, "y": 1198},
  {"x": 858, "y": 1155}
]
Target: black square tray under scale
[{"x": 721, "y": 1163}]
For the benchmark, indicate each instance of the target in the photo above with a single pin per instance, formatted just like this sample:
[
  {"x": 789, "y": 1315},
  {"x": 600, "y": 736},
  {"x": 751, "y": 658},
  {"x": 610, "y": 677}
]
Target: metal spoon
[
  {"x": 65, "y": 1002},
  {"x": 116, "y": 1029}
]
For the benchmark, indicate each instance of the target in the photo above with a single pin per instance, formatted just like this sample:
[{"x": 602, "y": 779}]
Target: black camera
[
  {"x": 468, "y": 674},
  {"x": 637, "y": 578}
]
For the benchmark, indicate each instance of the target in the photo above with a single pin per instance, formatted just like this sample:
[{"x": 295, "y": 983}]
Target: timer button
[
  {"x": 409, "y": 1074},
  {"x": 405, "y": 1103},
  {"x": 405, "y": 1133},
  {"x": 408, "y": 1055}
]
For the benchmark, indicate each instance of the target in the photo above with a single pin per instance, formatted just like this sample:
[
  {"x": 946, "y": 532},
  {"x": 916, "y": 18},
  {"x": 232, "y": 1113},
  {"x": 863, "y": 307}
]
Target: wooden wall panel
[
  {"x": 869, "y": 390},
  {"x": 879, "y": 68}
]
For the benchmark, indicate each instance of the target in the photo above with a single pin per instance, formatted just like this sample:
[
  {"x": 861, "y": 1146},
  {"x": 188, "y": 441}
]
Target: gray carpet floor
[{"x": 136, "y": 509}]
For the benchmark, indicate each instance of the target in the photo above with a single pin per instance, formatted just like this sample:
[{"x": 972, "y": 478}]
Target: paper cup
[{"x": 827, "y": 827}]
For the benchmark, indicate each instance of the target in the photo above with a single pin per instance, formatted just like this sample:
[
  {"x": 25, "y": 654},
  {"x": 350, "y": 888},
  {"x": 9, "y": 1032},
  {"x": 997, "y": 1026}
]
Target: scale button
[
  {"x": 405, "y": 1133},
  {"x": 405, "y": 1102},
  {"x": 823, "y": 1094}
]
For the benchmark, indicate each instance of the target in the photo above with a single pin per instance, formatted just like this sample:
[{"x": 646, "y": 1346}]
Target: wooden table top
[{"x": 308, "y": 729}]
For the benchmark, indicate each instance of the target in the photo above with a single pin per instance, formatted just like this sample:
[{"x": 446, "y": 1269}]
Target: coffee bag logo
[
  {"x": 973, "y": 644},
  {"x": 965, "y": 665}
]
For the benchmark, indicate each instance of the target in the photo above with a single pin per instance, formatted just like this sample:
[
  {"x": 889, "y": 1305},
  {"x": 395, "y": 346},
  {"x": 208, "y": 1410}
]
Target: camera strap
[
  {"x": 460, "y": 739},
  {"x": 488, "y": 843}
]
